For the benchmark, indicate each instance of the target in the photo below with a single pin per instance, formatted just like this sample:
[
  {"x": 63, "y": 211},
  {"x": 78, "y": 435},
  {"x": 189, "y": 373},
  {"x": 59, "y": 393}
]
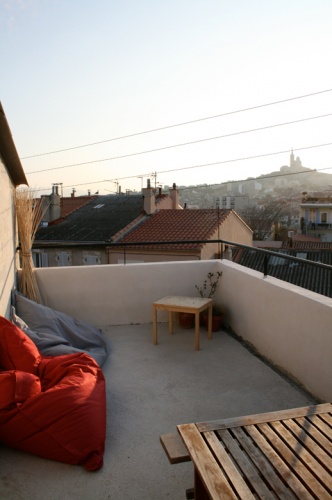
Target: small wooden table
[
  {"x": 284, "y": 454},
  {"x": 193, "y": 305}
]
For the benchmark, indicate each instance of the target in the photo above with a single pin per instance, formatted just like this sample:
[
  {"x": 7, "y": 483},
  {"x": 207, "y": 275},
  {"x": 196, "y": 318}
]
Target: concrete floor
[{"x": 151, "y": 389}]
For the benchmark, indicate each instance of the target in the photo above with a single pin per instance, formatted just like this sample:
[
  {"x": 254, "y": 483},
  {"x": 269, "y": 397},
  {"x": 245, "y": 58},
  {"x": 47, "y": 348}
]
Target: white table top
[{"x": 180, "y": 301}]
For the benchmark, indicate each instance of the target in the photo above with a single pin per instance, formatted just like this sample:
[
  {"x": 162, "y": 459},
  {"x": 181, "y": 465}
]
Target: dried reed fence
[{"x": 29, "y": 213}]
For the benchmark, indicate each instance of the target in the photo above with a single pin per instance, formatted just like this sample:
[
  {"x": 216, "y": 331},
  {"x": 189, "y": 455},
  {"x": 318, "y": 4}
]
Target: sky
[{"x": 172, "y": 91}]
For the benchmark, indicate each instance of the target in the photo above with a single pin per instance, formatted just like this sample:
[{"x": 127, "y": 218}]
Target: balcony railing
[
  {"x": 313, "y": 226},
  {"x": 309, "y": 274}
]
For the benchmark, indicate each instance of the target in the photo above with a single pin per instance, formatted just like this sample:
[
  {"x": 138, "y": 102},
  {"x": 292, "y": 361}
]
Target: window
[
  {"x": 312, "y": 213},
  {"x": 323, "y": 217},
  {"x": 63, "y": 259},
  {"x": 91, "y": 260},
  {"x": 40, "y": 259}
]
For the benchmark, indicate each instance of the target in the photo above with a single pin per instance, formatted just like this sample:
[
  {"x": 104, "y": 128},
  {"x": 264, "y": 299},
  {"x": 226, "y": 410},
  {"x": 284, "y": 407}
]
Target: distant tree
[{"x": 264, "y": 218}]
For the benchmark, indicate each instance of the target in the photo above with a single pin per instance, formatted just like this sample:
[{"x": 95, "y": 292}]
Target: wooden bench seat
[{"x": 174, "y": 448}]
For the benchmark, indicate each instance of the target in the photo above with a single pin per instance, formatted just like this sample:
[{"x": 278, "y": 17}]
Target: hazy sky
[{"x": 76, "y": 72}]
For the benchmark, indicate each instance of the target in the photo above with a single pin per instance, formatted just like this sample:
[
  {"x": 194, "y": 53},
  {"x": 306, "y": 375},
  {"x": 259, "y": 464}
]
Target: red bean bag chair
[{"x": 54, "y": 406}]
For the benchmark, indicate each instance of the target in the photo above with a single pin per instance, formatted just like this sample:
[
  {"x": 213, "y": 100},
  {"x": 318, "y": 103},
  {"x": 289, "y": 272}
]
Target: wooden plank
[
  {"x": 316, "y": 430},
  {"x": 210, "y": 474},
  {"x": 170, "y": 323},
  {"x": 263, "y": 465},
  {"x": 328, "y": 418},
  {"x": 302, "y": 434},
  {"x": 292, "y": 460},
  {"x": 278, "y": 463},
  {"x": 312, "y": 465},
  {"x": 197, "y": 331},
  {"x": 227, "y": 465},
  {"x": 263, "y": 417},
  {"x": 174, "y": 448},
  {"x": 325, "y": 424},
  {"x": 247, "y": 468}
]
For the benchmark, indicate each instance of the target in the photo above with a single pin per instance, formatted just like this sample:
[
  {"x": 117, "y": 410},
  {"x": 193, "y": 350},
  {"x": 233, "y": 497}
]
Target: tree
[{"x": 263, "y": 219}]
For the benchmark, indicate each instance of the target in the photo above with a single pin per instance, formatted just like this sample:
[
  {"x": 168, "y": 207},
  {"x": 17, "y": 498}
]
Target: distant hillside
[{"x": 295, "y": 177}]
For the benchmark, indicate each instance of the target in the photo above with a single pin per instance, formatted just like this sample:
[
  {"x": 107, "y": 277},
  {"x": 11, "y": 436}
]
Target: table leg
[
  {"x": 170, "y": 322},
  {"x": 210, "y": 323},
  {"x": 197, "y": 331},
  {"x": 200, "y": 492},
  {"x": 155, "y": 334}
]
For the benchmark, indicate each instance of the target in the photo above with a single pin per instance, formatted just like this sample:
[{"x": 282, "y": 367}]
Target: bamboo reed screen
[{"x": 29, "y": 214}]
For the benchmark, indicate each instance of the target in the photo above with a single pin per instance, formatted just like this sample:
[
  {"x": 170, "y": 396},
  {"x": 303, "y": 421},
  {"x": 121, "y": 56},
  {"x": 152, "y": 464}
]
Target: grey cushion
[{"x": 56, "y": 333}]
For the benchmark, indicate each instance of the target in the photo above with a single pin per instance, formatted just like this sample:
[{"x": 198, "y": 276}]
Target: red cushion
[
  {"x": 17, "y": 351},
  {"x": 67, "y": 420},
  {"x": 16, "y": 387}
]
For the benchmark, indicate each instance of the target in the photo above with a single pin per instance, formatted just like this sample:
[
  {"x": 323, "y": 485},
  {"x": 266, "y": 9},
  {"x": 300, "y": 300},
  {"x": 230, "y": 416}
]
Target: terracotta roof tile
[{"x": 173, "y": 225}]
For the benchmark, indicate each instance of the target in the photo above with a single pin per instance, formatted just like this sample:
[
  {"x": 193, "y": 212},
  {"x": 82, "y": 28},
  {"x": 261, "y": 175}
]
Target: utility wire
[
  {"x": 216, "y": 163},
  {"x": 198, "y": 186},
  {"x": 182, "y": 144},
  {"x": 178, "y": 124}
]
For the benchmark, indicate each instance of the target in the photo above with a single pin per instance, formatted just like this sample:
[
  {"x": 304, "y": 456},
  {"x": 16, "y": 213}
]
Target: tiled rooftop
[
  {"x": 309, "y": 277},
  {"x": 175, "y": 225},
  {"x": 72, "y": 203},
  {"x": 313, "y": 244},
  {"x": 98, "y": 220}
]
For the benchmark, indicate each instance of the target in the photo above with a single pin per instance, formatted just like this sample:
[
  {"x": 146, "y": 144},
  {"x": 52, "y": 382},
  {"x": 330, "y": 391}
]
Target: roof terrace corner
[
  {"x": 153, "y": 388},
  {"x": 286, "y": 324}
]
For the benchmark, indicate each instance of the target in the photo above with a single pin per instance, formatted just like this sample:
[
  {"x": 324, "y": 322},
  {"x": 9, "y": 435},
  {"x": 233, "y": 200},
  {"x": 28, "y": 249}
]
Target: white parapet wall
[
  {"x": 286, "y": 324},
  {"x": 119, "y": 294}
]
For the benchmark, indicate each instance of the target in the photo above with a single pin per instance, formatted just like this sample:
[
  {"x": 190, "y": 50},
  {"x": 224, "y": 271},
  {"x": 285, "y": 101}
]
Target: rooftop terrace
[{"x": 151, "y": 389}]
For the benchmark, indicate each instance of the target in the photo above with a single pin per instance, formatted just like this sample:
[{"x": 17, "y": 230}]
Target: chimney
[
  {"x": 73, "y": 193},
  {"x": 89, "y": 192},
  {"x": 55, "y": 207},
  {"x": 149, "y": 201},
  {"x": 174, "y": 195}
]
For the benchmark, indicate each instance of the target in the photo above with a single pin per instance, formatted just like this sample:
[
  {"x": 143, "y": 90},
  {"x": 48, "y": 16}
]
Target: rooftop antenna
[
  {"x": 61, "y": 186},
  {"x": 141, "y": 177}
]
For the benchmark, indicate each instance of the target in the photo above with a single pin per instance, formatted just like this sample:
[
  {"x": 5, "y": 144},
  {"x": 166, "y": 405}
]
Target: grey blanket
[{"x": 55, "y": 333}]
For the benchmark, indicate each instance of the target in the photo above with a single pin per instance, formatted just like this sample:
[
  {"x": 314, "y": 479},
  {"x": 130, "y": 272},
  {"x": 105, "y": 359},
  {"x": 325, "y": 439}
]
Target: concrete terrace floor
[{"x": 151, "y": 389}]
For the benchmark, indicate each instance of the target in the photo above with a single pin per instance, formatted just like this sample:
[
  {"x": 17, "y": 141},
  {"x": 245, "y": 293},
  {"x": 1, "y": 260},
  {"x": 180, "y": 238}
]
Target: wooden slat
[
  {"x": 325, "y": 424},
  {"x": 302, "y": 435},
  {"x": 328, "y": 418},
  {"x": 263, "y": 417},
  {"x": 262, "y": 464},
  {"x": 278, "y": 463},
  {"x": 292, "y": 459},
  {"x": 316, "y": 430},
  {"x": 249, "y": 471},
  {"x": 227, "y": 465},
  {"x": 174, "y": 448},
  {"x": 209, "y": 471},
  {"x": 309, "y": 459}
]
